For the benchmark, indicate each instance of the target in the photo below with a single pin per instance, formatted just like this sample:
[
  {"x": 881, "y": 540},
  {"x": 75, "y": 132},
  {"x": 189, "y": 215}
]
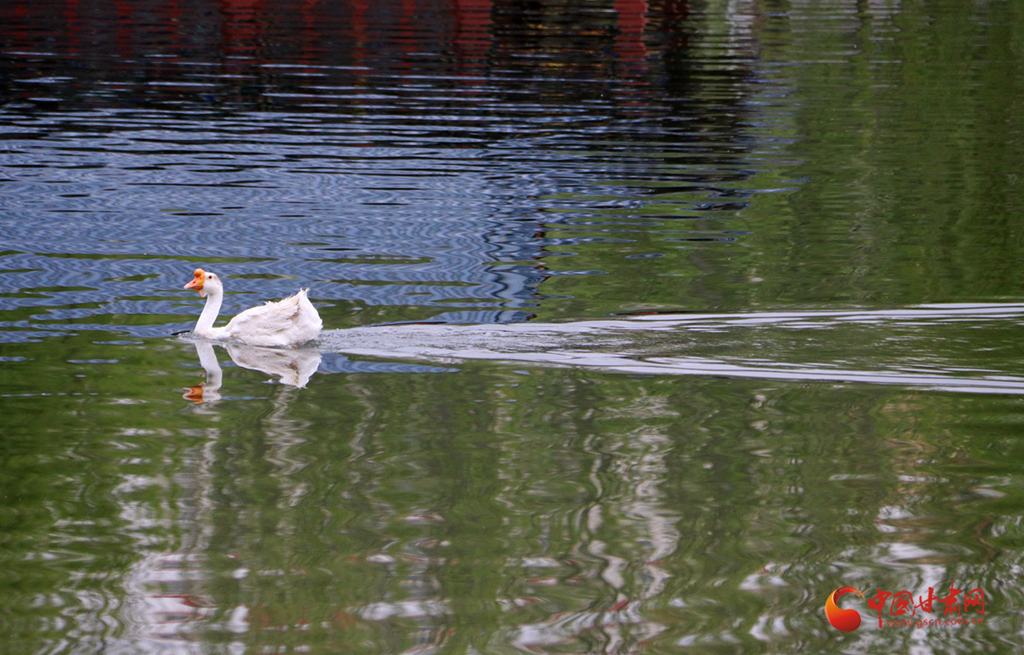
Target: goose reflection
[{"x": 290, "y": 367}]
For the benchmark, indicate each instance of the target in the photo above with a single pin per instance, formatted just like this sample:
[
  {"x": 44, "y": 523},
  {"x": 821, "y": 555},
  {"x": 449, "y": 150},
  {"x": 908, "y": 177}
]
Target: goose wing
[{"x": 287, "y": 322}]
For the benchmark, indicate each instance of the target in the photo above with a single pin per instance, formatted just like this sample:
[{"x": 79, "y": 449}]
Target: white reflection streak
[
  {"x": 638, "y": 459},
  {"x": 646, "y": 505},
  {"x": 562, "y": 628},
  {"x": 163, "y": 606},
  {"x": 616, "y": 345}
]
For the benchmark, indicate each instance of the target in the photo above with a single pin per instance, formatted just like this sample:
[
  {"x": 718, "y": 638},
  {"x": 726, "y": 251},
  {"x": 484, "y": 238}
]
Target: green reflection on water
[
  {"x": 501, "y": 506},
  {"x": 881, "y": 165}
]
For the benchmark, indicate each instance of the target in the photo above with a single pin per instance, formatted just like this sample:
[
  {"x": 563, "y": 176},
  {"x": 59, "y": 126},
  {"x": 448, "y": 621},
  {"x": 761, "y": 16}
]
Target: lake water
[{"x": 649, "y": 326}]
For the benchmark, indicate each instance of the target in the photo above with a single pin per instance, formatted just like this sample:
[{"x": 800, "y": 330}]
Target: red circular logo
[{"x": 845, "y": 620}]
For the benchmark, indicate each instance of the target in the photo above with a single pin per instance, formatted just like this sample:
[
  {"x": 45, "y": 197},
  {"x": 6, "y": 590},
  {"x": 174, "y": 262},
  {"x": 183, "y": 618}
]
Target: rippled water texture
[{"x": 649, "y": 325}]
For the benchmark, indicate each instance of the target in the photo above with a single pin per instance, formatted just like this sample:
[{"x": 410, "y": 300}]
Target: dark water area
[
  {"x": 401, "y": 157},
  {"x": 648, "y": 326}
]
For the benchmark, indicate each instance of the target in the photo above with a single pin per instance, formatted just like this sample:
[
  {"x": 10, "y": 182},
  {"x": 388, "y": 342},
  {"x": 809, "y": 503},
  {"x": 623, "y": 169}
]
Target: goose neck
[{"x": 204, "y": 327}]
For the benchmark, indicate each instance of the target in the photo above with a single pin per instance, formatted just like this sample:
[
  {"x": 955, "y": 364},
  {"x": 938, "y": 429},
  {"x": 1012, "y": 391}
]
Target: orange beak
[{"x": 197, "y": 282}]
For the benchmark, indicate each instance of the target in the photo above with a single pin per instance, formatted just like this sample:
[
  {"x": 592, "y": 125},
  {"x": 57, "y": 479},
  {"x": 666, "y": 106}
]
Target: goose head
[{"x": 205, "y": 283}]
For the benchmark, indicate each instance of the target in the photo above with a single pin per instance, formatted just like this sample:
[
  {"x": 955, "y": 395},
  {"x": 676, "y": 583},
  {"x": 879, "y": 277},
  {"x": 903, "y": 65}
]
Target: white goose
[{"x": 287, "y": 322}]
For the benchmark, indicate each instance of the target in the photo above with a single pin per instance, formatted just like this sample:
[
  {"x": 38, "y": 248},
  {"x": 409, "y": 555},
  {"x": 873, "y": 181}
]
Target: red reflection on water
[
  {"x": 630, "y": 51},
  {"x": 243, "y": 24},
  {"x": 359, "y": 31},
  {"x": 240, "y": 27},
  {"x": 629, "y": 42},
  {"x": 634, "y": 46},
  {"x": 472, "y": 29},
  {"x": 71, "y": 16}
]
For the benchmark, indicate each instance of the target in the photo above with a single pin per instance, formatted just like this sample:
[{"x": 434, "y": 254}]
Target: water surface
[{"x": 649, "y": 325}]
